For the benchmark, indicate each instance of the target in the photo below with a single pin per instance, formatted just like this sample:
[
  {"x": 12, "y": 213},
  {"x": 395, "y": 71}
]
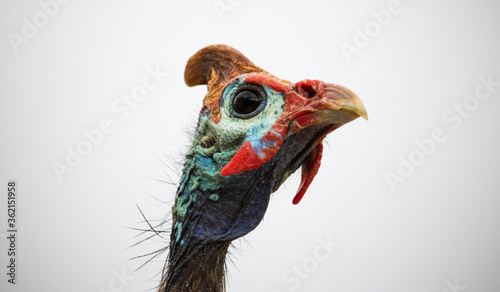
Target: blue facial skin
[{"x": 212, "y": 207}]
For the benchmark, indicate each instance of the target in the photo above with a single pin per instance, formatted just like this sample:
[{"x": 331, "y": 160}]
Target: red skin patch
[
  {"x": 246, "y": 158},
  {"x": 273, "y": 83}
]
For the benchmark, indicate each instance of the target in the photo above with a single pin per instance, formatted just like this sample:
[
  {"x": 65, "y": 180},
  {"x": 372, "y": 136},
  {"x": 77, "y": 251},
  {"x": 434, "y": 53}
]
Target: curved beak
[
  {"x": 345, "y": 98},
  {"x": 326, "y": 103}
]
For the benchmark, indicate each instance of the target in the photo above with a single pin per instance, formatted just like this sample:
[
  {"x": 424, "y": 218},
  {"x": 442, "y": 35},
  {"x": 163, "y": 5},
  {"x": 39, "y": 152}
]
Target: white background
[{"x": 436, "y": 230}]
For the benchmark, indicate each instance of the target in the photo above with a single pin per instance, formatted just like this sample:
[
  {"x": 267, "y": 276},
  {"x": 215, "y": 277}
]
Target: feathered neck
[{"x": 196, "y": 267}]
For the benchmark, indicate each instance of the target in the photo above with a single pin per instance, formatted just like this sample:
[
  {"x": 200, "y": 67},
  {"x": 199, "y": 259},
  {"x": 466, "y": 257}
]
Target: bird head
[{"x": 253, "y": 131}]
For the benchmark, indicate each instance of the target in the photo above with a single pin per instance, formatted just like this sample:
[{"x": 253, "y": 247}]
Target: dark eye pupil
[{"x": 246, "y": 102}]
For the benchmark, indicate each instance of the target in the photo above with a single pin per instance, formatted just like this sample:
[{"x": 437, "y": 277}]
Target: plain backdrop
[{"x": 408, "y": 201}]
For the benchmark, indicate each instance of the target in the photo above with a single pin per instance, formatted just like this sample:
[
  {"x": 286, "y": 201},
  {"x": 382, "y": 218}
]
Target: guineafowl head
[{"x": 253, "y": 131}]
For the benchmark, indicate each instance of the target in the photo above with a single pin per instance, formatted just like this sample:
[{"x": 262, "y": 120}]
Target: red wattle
[{"x": 309, "y": 174}]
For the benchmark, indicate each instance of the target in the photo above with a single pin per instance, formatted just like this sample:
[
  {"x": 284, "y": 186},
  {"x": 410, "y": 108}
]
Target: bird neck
[
  {"x": 196, "y": 267},
  {"x": 196, "y": 260},
  {"x": 209, "y": 212}
]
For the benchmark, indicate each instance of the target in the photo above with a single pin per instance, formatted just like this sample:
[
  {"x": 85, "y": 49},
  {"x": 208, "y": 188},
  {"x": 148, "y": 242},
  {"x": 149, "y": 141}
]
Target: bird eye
[{"x": 248, "y": 101}]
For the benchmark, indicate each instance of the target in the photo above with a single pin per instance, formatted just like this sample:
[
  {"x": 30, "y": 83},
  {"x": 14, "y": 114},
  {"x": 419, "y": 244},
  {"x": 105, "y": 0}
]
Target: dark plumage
[{"x": 253, "y": 131}]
